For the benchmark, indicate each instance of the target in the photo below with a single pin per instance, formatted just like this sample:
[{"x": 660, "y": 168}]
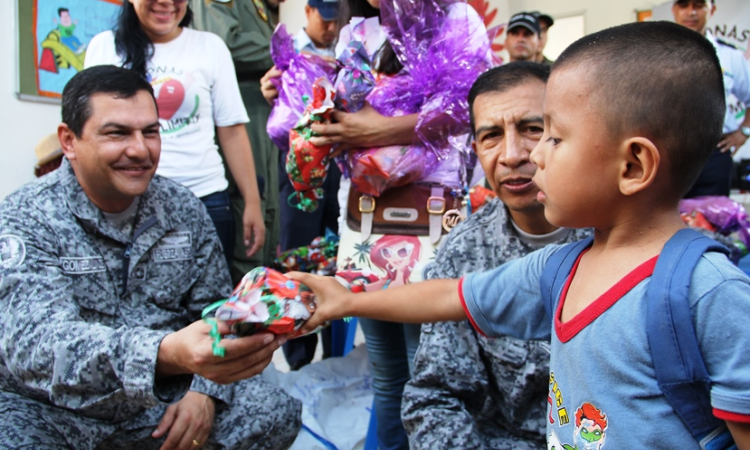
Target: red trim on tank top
[
  {"x": 466, "y": 310},
  {"x": 566, "y": 331},
  {"x": 730, "y": 416}
]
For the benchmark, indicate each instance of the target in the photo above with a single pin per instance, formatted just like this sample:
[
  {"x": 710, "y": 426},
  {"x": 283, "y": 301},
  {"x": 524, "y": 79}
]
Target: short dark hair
[
  {"x": 131, "y": 42},
  {"x": 76, "y": 107},
  {"x": 503, "y": 78},
  {"x": 62, "y": 10},
  {"x": 661, "y": 80}
]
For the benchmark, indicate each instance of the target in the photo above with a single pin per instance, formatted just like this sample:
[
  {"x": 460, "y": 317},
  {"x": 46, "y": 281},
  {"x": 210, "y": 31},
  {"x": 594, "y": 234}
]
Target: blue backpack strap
[
  {"x": 556, "y": 272},
  {"x": 680, "y": 370}
]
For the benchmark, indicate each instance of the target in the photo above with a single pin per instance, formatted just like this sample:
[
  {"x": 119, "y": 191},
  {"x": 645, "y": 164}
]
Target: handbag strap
[{"x": 436, "y": 208}]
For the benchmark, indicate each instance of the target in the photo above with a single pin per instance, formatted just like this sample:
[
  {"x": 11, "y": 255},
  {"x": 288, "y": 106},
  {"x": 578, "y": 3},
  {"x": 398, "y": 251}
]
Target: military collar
[{"x": 151, "y": 204}]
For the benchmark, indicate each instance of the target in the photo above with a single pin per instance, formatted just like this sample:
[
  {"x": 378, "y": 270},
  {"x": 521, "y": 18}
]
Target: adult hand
[
  {"x": 364, "y": 128},
  {"x": 190, "y": 351},
  {"x": 188, "y": 420},
  {"x": 254, "y": 228},
  {"x": 732, "y": 142},
  {"x": 267, "y": 86},
  {"x": 331, "y": 299}
]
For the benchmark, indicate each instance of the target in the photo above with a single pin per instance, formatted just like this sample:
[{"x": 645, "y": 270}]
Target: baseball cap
[
  {"x": 541, "y": 17},
  {"x": 48, "y": 149},
  {"x": 328, "y": 9},
  {"x": 526, "y": 20}
]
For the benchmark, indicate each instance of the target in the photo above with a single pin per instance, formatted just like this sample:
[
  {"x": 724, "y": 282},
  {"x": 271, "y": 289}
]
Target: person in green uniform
[{"x": 246, "y": 27}]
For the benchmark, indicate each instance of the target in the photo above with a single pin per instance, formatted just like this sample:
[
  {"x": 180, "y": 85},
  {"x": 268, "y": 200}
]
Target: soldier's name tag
[
  {"x": 173, "y": 246},
  {"x": 84, "y": 265}
]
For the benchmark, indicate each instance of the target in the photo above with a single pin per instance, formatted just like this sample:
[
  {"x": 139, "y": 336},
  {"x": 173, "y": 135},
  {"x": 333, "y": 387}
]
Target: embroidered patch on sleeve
[{"x": 12, "y": 251}]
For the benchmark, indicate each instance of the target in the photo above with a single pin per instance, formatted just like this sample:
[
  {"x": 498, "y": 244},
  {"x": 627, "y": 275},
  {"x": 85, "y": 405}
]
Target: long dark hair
[
  {"x": 389, "y": 63},
  {"x": 132, "y": 43}
]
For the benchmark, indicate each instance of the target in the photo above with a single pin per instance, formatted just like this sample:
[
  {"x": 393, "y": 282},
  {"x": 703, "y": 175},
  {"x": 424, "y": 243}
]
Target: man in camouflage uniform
[
  {"x": 246, "y": 27},
  {"x": 104, "y": 274},
  {"x": 468, "y": 391}
]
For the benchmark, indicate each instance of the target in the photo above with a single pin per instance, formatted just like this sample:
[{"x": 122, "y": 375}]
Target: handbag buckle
[
  {"x": 436, "y": 205},
  {"x": 366, "y": 204}
]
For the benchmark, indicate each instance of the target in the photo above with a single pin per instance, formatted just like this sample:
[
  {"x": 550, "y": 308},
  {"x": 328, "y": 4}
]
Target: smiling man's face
[{"x": 118, "y": 150}]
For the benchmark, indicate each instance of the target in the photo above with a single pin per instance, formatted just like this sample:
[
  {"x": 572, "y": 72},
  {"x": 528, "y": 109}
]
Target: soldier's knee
[
  {"x": 25, "y": 425},
  {"x": 270, "y": 418}
]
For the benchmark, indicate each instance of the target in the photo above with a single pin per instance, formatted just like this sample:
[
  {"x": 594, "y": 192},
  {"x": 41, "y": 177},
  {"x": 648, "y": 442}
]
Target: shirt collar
[
  {"x": 303, "y": 43},
  {"x": 151, "y": 203}
]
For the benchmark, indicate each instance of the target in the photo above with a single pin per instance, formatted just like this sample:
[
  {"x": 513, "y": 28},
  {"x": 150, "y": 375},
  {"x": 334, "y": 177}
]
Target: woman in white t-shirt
[{"x": 196, "y": 91}]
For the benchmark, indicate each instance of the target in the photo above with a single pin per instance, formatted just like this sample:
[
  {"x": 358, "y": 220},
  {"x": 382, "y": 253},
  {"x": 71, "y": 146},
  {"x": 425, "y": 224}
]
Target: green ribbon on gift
[{"x": 214, "y": 332}]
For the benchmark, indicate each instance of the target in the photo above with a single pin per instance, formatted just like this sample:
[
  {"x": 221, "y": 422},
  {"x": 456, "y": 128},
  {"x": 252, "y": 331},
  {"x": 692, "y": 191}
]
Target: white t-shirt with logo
[{"x": 196, "y": 89}]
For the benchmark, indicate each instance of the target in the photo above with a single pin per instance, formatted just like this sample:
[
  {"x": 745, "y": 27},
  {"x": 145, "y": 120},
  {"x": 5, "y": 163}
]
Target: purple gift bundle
[
  {"x": 295, "y": 85},
  {"x": 443, "y": 50},
  {"x": 727, "y": 215}
]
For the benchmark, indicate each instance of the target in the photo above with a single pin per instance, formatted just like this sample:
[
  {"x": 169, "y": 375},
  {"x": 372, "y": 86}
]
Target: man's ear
[
  {"x": 67, "y": 138},
  {"x": 641, "y": 160}
]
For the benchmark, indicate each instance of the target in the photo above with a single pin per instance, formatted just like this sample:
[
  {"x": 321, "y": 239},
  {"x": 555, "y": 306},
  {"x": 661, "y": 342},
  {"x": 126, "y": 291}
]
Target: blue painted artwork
[{"x": 63, "y": 29}]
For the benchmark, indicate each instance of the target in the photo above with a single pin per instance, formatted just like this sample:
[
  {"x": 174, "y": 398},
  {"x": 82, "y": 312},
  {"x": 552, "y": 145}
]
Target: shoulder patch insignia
[{"x": 12, "y": 251}]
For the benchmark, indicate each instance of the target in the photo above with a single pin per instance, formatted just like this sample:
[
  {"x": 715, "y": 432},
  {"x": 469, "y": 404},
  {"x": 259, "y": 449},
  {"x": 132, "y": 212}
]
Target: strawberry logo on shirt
[
  {"x": 173, "y": 97},
  {"x": 170, "y": 98}
]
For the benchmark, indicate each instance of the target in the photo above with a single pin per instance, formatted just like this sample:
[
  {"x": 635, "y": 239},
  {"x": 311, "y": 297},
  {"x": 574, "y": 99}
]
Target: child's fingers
[{"x": 307, "y": 279}]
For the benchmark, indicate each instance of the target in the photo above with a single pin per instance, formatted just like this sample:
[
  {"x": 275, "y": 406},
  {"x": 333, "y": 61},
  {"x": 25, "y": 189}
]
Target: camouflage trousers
[{"x": 261, "y": 416}]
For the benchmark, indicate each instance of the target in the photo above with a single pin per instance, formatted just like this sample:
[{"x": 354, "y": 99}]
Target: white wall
[
  {"x": 598, "y": 14},
  {"x": 22, "y": 123},
  {"x": 292, "y": 13}
]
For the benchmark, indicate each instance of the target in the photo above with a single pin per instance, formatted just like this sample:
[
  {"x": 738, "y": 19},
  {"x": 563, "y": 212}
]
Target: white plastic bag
[{"x": 336, "y": 396}]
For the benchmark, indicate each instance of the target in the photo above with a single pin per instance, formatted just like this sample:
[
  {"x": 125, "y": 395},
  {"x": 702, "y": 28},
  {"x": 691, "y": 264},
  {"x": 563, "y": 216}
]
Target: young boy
[{"x": 629, "y": 113}]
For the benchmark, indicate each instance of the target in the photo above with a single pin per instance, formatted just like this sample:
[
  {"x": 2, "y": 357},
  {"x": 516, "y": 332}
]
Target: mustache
[
  {"x": 514, "y": 174},
  {"x": 141, "y": 164}
]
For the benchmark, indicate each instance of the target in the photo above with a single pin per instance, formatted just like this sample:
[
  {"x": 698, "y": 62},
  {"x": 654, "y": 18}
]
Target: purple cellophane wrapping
[
  {"x": 443, "y": 52},
  {"x": 295, "y": 84},
  {"x": 727, "y": 215},
  {"x": 355, "y": 79}
]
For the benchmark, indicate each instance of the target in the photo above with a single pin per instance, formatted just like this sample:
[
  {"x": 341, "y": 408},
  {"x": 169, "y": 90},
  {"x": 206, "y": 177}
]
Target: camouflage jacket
[
  {"x": 468, "y": 391},
  {"x": 82, "y": 322}
]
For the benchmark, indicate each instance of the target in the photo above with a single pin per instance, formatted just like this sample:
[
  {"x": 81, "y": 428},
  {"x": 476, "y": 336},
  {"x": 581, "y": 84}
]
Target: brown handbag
[{"x": 407, "y": 210}]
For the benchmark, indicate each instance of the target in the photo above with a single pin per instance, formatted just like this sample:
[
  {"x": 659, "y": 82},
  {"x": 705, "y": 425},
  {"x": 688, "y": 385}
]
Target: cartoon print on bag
[{"x": 394, "y": 255}]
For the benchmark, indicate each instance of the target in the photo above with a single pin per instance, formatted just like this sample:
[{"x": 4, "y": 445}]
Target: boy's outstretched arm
[
  {"x": 426, "y": 301},
  {"x": 741, "y": 434}
]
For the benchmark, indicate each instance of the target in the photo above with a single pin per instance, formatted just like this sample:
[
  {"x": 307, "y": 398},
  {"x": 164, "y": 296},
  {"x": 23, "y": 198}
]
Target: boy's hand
[{"x": 332, "y": 300}]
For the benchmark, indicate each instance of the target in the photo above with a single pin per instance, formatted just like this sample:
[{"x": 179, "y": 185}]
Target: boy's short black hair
[
  {"x": 662, "y": 81},
  {"x": 503, "y": 78},
  {"x": 62, "y": 10},
  {"x": 76, "y": 107}
]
